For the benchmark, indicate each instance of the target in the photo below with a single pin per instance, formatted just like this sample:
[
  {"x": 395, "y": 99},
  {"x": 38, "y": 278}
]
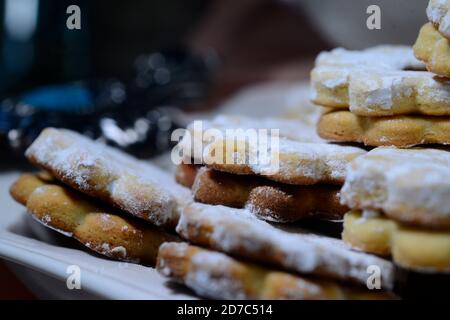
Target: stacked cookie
[
  {"x": 400, "y": 200},
  {"x": 433, "y": 44},
  {"x": 234, "y": 255},
  {"x": 373, "y": 97},
  {"x": 382, "y": 96},
  {"x": 128, "y": 210},
  {"x": 305, "y": 183},
  {"x": 112, "y": 203}
]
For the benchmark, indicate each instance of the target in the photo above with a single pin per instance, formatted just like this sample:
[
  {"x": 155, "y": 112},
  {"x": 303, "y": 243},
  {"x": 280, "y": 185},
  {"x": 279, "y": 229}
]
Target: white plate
[
  {"x": 40, "y": 257},
  {"x": 27, "y": 243}
]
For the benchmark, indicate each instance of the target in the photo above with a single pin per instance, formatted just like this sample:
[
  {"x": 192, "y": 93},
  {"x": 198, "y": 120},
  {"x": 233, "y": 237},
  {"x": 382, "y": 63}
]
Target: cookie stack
[
  {"x": 400, "y": 200},
  {"x": 382, "y": 96},
  {"x": 128, "y": 210},
  {"x": 373, "y": 97},
  {"x": 433, "y": 44},
  {"x": 227, "y": 231},
  {"x": 243, "y": 257},
  {"x": 112, "y": 203},
  {"x": 306, "y": 183}
]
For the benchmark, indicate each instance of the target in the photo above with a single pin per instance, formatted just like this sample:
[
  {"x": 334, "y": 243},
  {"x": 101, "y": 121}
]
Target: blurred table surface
[{"x": 11, "y": 287}]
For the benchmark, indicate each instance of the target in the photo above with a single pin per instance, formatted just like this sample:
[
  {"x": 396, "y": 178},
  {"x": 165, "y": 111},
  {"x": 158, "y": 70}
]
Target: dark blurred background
[
  {"x": 120, "y": 77},
  {"x": 250, "y": 37}
]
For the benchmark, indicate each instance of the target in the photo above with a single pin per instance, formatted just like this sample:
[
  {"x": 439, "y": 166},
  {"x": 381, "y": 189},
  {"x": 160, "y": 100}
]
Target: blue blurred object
[
  {"x": 136, "y": 115},
  {"x": 66, "y": 98},
  {"x": 37, "y": 48}
]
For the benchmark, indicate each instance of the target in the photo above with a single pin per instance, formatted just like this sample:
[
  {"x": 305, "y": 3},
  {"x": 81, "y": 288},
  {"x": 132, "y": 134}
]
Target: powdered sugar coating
[
  {"x": 215, "y": 275},
  {"x": 438, "y": 12},
  {"x": 373, "y": 82},
  {"x": 239, "y": 232},
  {"x": 303, "y": 158},
  {"x": 296, "y": 129},
  {"x": 383, "y": 56},
  {"x": 408, "y": 185},
  {"x": 203, "y": 276},
  {"x": 91, "y": 167},
  {"x": 292, "y": 162},
  {"x": 387, "y": 91}
]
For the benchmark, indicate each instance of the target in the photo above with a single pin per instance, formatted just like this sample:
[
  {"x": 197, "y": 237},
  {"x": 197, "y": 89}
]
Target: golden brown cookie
[
  {"x": 239, "y": 233},
  {"x": 400, "y": 131},
  {"x": 217, "y": 276},
  {"x": 268, "y": 200},
  {"x": 433, "y": 49},
  {"x": 110, "y": 175},
  {"x": 414, "y": 248},
  {"x": 99, "y": 228},
  {"x": 185, "y": 174}
]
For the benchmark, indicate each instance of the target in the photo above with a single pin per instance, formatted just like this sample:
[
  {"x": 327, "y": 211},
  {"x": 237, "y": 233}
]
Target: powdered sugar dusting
[
  {"x": 295, "y": 129},
  {"x": 134, "y": 186},
  {"x": 239, "y": 232},
  {"x": 399, "y": 180},
  {"x": 315, "y": 162},
  {"x": 383, "y": 56},
  {"x": 376, "y": 82},
  {"x": 210, "y": 276},
  {"x": 438, "y": 12},
  {"x": 300, "y": 129},
  {"x": 384, "y": 90}
]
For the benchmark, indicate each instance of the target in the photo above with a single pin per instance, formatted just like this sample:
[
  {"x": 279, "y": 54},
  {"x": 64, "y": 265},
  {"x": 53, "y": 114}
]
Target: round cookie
[
  {"x": 438, "y": 12},
  {"x": 433, "y": 49},
  {"x": 374, "y": 82},
  {"x": 400, "y": 131}
]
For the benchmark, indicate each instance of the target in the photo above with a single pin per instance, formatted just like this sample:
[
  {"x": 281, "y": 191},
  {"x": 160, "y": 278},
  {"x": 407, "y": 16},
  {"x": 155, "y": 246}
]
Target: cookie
[
  {"x": 98, "y": 227},
  {"x": 217, "y": 276},
  {"x": 414, "y": 248},
  {"x": 239, "y": 233},
  {"x": 373, "y": 82},
  {"x": 185, "y": 174},
  {"x": 411, "y": 186},
  {"x": 110, "y": 175},
  {"x": 433, "y": 49},
  {"x": 399, "y": 131},
  {"x": 192, "y": 142},
  {"x": 268, "y": 200},
  {"x": 438, "y": 12},
  {"x": 287, "y": 161}
]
